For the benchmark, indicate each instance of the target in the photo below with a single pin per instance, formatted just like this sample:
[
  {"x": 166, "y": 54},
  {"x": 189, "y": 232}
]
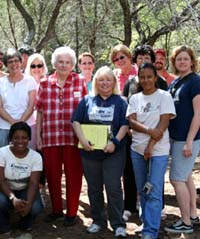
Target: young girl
[{"x": 149, "y": 112}]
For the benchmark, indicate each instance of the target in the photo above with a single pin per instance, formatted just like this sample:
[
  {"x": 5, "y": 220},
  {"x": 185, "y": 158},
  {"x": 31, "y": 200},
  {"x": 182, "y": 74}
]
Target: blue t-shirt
[
  {"x": 96, "y": 110},
  {"x": 183, "y": 96}
]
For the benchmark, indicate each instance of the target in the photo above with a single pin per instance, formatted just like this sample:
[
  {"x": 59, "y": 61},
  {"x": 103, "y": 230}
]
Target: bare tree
[
  {"x": 49, "y": 34},
  {"x": 29, "y": 21},
  {"x": 150, "y": 36}
]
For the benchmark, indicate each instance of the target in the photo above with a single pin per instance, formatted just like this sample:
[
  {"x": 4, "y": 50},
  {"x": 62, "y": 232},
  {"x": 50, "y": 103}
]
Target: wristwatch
[{"x": 11, "y": 196}]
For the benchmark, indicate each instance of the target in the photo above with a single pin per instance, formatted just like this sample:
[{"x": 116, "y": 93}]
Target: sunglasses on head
[
  {"x": 119, "y": 58},
  {"x": 33, "y": 66}
]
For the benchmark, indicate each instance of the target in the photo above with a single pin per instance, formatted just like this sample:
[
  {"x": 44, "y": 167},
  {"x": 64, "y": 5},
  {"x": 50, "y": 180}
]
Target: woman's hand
[
  {"x": 148, "y": 152},
  {"x": 149, "y": 149},
  {"x": 187, "y": 149},
  {"x": 109, "y": 148},
  {"x": 18, "y": 204},
  {"x": 39, "y": 143},
  {"x": 25, "y": 210},
  {"x": 87, "y": 145},
  {"x": 155, "y": 134}
]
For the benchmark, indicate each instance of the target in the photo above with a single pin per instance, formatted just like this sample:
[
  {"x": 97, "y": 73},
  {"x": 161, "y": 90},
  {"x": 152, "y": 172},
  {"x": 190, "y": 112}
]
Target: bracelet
[
  {"x": 116, "y": 142},
  {"x": 11, "y": 196},
  {"x": 146, "y": 129}
]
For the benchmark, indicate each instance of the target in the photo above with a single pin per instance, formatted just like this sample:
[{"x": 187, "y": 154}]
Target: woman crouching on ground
[{"x": 20, "y": 170}]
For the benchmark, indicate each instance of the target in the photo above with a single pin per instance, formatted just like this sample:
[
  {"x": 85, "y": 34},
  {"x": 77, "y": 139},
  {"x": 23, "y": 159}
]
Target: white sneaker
[
  {"x": 139, "y": 229},
  {"x": 138, "y": 206},
  {"x": 120, "y": 232},
  {"x": 126, "y": 215},
  {"x": 163, "y": 214},
  {"x": 93, "y": 228},
  {"x": 146, "y": 237}
]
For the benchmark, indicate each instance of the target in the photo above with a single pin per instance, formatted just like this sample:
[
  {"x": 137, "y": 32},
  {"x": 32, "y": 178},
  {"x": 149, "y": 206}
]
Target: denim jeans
[
  {"x": 4, "y": 137},
  {"x": 151, "y": 203},
  {"x": 6, "y": 205}
]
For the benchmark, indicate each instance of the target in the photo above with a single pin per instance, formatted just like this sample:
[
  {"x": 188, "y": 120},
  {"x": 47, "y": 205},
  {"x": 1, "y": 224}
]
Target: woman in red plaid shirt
[{"x": 58, "y": 96}]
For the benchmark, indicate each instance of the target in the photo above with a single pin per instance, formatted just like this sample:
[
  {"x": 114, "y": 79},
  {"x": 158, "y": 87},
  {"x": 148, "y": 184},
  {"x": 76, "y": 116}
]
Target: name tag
[{"x": 77, "y": 94}]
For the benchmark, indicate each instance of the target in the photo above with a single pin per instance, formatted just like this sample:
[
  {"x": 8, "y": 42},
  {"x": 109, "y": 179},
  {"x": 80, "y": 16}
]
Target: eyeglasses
[
  {"x": 13, "y": 61},
  {"x": 87, "y": 63},
  {"x": 119, "y": 58},
  {"x": 33, "y": 66}
]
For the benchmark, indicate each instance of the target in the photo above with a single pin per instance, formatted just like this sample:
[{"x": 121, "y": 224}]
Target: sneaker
[
  {"x": 138, "y": 206},
  {"x": 120, "y": 232},
  {"x": 69, "y": 221},
  {"x": 195, "y": 221},
  {"x": 93, "y": 228},
  {"x": 6, "y": 233},
  {"x": 126, "y": 215},
  {"x": 163, "y": 214},
  {"x": 53, "y": 217},
  {"x": 179, "y": 227},
  {"x": 139, "y": 229},
  {"x": 146, "y": 237}
]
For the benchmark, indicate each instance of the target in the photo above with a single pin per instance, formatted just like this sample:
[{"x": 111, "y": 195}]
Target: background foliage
[{"x": 98, "y": 25}]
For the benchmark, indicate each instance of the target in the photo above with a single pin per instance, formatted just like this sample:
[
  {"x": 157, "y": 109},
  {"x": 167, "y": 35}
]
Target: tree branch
[
  {"x": 29, "y": 21},
  {"x": 127, "y": 21},
  {"x": 51, "y": 25}
]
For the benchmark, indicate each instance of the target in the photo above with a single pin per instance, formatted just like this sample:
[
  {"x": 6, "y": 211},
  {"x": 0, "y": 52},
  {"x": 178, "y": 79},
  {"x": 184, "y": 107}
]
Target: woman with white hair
[{"x": 58, "y": 96}]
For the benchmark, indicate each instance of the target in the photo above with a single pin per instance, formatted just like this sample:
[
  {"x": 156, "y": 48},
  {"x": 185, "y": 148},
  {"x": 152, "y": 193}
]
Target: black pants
[{"x": 130, "y": 190}]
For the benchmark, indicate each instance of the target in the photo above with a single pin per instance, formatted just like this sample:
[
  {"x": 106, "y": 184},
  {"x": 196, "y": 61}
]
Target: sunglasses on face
[
  {"x": 33, "y": 66},
  {"x": 119, "y": 58}
]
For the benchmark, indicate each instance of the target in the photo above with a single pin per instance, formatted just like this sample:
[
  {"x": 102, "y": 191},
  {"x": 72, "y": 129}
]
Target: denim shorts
[{"x": 181, "y": 166}]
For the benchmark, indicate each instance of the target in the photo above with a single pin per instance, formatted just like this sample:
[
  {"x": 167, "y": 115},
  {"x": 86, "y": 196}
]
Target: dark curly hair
[
  {"x": 143, "y": 50},
  {"x": 19, "y": 126}
]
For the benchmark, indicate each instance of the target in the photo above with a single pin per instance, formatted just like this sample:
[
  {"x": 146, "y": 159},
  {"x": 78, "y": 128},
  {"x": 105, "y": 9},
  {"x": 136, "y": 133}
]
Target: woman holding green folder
[{"x": 104, "y": 167}]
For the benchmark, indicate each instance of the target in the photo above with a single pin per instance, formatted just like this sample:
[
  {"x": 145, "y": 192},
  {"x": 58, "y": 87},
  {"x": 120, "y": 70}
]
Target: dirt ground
[{"x": 56, "y": 230}]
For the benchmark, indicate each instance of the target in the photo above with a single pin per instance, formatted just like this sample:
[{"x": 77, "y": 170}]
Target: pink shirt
[{"x": 122, "y": 78}]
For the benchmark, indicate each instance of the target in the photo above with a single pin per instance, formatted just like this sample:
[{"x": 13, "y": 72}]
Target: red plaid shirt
[{"x": 57, "y": 106}]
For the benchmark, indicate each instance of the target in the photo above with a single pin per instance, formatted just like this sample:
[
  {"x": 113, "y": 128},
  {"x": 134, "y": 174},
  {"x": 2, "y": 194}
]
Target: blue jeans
[
  {"x": 6, "y": 205},
  {"x": 4, "y": 137},
  {"x": 151, "y": 203}
]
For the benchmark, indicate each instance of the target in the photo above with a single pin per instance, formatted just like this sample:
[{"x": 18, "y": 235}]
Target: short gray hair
[{"x": 63, "y": 50}]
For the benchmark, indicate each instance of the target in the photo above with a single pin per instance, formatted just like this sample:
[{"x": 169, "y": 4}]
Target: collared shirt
[
  {"x": 168, "y": 76},
  {"x": 122, "y": 78},
  {"x": 57, "y": 106}
]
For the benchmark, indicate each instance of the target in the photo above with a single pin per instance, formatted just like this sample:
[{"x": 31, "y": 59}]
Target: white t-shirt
[
  {"x": 18, "y": 170},
  {"x": 148, "y": 109},
  {"x": 15, "y": 98}
]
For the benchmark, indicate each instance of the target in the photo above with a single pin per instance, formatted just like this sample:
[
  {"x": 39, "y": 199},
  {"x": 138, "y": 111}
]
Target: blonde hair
[
  {"x": 104, "y": 71},
  {"x": 120, "y": 48},
  {"x": 176, "y": 51},
  {"x": 30, "y": 61}
]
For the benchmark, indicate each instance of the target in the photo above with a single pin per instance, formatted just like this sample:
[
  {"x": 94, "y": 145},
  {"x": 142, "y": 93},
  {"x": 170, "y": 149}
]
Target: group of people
[{"x": 151, "y": 114}]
